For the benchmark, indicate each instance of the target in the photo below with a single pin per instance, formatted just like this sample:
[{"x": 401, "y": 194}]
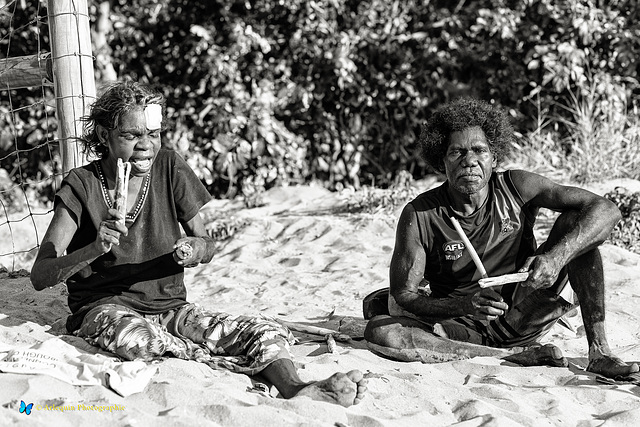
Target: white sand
[{"x": 298, "y": 261}]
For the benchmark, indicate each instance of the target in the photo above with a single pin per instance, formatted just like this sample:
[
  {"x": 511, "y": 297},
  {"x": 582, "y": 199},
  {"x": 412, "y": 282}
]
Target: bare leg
[
  {"x": 409, "y": 340},
  {"x": 344, "y": 389},
  {"x": 586, "y": 277}
]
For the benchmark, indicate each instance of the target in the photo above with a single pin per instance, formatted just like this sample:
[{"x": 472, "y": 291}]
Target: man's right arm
[{"x": 406, "y": 272}]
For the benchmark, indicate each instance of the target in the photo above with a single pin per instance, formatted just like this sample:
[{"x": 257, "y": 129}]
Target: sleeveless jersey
[{"x": 501, "y": 231}]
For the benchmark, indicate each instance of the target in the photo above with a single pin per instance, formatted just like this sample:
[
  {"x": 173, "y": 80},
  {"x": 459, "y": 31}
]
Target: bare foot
[
  {"x": 548, "y": 354},
  {"x": 344, "y": 389},
  {"x": 611, "y": 366}
]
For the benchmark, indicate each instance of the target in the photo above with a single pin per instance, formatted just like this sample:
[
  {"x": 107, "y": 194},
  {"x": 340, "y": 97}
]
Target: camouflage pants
[{"x": 238, "y": 343}]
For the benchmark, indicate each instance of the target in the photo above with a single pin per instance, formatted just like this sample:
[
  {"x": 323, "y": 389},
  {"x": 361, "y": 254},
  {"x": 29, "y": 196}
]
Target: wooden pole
[
  {"x": 26, "y": 71},
  {"x": 73, "y": 77}
]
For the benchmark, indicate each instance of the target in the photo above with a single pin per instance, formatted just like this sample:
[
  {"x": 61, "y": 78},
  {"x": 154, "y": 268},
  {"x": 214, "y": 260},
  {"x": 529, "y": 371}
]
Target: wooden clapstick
[
  {"x": 503, "y": 280},
  {"x": 314, "y": 330},
  {"x": 470, "y": 248},
  {"x": 122, "y": 188}
]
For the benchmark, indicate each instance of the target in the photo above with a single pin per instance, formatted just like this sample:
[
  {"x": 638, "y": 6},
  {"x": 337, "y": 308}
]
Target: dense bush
[
  {"x": 626, "y": 234},
  {"x": 270, "y": 92}
]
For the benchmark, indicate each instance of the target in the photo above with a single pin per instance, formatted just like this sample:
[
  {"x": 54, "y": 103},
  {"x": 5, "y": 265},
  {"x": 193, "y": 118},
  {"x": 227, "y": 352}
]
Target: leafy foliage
[
  {"x": 626, "y": 234},
  {"x": 272, "y": 92},
  {"x": 384, "y": 201}
]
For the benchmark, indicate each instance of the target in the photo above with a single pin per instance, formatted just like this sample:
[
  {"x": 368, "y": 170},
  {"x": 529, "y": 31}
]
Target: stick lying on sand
[
  {"x": 502, "y": 280},
  {"x": 122, "y": 188},
  {"x": 331, "y": 344},
  {"x": 314, "y": 330}
]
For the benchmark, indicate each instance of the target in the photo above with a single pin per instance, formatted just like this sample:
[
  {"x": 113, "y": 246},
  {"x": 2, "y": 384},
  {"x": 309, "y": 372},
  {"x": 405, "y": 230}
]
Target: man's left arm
[{"x": 592, "y": 219}]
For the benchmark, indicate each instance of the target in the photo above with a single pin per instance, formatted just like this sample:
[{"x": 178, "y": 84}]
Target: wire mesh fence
[
  {"x": 38, "y": 115},
  {"x": 29, "y": 159}
]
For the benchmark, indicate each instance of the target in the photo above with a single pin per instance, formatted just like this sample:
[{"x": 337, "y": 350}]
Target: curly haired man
[{"x": 437, "y": 310}]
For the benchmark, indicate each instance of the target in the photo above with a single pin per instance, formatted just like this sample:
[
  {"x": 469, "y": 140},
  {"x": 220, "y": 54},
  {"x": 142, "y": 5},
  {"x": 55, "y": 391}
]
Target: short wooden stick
[
  {"x": 122, "y": 188},
  {"x": 314, "y": 330},
  {"x": 503, "y": 280}
]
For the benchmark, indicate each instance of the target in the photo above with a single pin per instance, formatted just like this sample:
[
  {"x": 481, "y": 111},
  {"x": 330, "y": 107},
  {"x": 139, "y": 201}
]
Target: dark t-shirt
[
  {"x": 140, "y": 272},
  {"x": 501, "y": 231}
]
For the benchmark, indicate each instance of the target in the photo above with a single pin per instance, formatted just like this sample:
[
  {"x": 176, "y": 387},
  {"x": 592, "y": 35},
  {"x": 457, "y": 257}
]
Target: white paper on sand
[{"x": 60, "y": 360}]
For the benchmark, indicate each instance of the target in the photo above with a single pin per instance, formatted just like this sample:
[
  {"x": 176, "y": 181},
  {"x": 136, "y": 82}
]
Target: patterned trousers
[{"x": 239, "y": 343}]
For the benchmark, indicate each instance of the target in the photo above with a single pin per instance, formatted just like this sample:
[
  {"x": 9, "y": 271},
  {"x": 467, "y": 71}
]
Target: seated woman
[{"x": 124, "y": 272}]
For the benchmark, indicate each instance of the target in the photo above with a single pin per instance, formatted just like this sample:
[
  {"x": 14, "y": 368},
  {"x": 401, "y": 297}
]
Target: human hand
[
  {"x": 189, "y": 251},
  {"x": 109, "y": 232},
  {"x": 486, "y": 304},
  {"x": 543, "y": 271}
]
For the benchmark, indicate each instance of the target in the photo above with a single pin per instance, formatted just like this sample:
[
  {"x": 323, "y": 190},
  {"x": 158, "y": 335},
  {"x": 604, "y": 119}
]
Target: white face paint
[{"x": 153, "y": 116}]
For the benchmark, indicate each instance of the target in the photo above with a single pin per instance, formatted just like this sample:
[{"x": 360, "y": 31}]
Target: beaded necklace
[{"x": 131, "y": 216}]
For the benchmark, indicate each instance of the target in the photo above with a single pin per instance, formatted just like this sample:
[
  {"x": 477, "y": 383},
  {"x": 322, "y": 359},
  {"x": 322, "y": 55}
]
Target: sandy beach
[{"x": 303, "y": 257}]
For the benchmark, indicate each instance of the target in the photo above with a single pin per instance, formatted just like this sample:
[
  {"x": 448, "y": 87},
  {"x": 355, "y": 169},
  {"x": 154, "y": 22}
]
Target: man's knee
[
  {"x": 589, "y": 258},
  {"x": 375, "y": 330},
  {"x": 567, "y": 220},
  {"x": 562, "y": 225}
]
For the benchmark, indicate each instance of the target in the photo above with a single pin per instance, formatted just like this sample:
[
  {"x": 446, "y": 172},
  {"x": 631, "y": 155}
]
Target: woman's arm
[
  {"x": 51, "y": 266},
  {"x": 201, "y": 247}
]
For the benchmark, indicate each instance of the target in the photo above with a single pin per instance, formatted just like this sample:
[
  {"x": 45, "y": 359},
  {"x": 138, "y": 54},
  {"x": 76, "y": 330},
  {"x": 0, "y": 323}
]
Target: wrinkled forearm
[
  {"x": 210, "y": 250},
  {"x": 433, "y": 308},
  {"x": 592, "y": 227},
  {"x": 201, "y": 250},
  {"x": 50, "y": 270}
]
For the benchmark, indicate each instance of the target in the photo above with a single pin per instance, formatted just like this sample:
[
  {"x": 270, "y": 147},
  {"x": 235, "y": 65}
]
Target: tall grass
[
  {"x": 595, "y": 137},
  {"x": 598, "y": 137},
  {"x": 541, "y": 150}
]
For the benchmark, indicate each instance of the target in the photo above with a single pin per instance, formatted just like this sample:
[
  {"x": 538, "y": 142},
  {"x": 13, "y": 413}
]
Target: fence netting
[{"x": 30, "y": 169}]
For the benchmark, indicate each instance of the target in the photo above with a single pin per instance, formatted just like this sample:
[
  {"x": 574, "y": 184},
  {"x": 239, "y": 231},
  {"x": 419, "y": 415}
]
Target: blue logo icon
[{"x": 25, "y": 408}]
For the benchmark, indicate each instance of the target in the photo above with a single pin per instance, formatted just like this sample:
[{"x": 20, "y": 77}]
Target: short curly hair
[
  {"x": 459, "y": 115},
  {"x": 116, "y": 99}
]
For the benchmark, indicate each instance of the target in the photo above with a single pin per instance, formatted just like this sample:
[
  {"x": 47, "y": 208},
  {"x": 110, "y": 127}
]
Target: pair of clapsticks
[{"x": 486, "y": 281}]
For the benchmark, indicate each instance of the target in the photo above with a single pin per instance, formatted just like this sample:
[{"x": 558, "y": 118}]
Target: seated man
[
  {"x": 124, "y": 269},
  {"x": 455, "y": 318}
]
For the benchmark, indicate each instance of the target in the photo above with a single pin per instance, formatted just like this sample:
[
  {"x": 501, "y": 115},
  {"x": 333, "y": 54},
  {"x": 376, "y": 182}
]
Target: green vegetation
[
  {"x": 271, "y": 92},
  {"x": 627, "y": 231},
  {"x": 597, "y": 138}
]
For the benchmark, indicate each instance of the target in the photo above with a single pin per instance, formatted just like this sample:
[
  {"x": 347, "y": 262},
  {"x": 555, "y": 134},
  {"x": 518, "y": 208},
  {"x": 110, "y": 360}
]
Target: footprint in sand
[{"x": 290, "y": 262}]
